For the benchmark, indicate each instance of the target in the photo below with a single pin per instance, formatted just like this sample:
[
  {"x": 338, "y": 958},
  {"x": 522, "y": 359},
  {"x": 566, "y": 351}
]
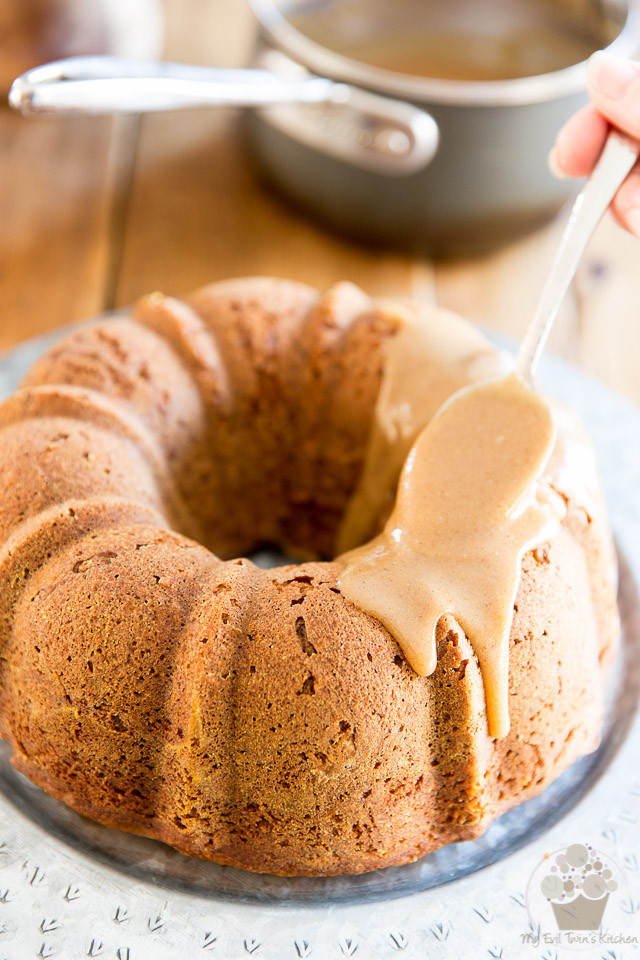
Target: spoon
[
  {"x": 373, "y": 131},
  {"x": 616, "y": 160}
]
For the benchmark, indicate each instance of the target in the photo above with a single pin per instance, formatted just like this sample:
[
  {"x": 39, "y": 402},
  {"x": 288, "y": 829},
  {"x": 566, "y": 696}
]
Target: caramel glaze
[
  {"x": 432, "y": 354},
  {"x": 474, "y": 496}
]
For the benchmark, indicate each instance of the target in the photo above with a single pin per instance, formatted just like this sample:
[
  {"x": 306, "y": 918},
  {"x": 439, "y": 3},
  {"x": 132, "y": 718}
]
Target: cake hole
[
  {"x": 269, "y": 557},
  {"x": 309, "y": 686},
  {"x": 301, "y": 633},
  {"x": 461, "y": 669}
]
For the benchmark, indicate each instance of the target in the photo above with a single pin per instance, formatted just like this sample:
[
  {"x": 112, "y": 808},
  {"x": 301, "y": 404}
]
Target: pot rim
[{"x": 520, "y": 90}]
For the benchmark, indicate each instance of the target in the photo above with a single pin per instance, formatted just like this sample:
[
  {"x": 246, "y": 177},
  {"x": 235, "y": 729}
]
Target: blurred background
[{"x": 97, "y": 211}]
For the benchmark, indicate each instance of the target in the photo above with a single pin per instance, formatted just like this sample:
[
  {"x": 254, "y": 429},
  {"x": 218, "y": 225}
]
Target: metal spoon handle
[{"x": 616, "y": 160}]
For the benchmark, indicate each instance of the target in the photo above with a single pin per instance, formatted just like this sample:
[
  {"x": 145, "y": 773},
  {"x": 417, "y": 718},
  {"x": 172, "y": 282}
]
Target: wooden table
[{"x": 96, "y": 212}]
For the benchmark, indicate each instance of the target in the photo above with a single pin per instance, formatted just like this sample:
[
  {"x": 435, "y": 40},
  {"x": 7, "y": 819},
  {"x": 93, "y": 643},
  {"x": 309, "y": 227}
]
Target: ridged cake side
[{"x": 255, "y": 717}]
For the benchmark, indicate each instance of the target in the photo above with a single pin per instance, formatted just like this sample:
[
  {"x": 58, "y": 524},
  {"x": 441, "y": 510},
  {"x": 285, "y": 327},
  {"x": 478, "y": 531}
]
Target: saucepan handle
[{"x": 363, "y": 128}]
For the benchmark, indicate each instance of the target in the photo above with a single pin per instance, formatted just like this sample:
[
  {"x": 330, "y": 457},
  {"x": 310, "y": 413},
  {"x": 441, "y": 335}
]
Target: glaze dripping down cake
[{"x": 261, "y": 718}]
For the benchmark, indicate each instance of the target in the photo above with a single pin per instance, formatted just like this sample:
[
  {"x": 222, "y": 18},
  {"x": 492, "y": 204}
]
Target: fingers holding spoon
[{"x": 614, "y": 90}]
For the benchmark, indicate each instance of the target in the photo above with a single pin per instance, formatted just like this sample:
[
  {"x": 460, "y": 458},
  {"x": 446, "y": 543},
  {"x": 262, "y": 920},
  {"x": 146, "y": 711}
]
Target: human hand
[{"x": 613, "y": 85}]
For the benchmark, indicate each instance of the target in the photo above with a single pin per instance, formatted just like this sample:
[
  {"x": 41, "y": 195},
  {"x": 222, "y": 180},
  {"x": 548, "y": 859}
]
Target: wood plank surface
[
  {"x": 96, "y": 213},
  {"x": 198, "y": 213},
  {"x": 56, "y": 190}
]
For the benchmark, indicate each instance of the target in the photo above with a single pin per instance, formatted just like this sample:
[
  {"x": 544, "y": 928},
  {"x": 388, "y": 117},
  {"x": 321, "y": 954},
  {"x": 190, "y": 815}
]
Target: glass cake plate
[{"x": 69, "y": 887}]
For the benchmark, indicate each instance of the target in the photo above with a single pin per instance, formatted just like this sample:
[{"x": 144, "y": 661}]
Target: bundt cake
[{"x": 261, "y": 717}]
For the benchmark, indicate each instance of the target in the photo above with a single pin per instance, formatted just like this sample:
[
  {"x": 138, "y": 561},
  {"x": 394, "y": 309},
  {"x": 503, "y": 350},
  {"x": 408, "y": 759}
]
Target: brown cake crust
[{"x": 254, "y": 717}]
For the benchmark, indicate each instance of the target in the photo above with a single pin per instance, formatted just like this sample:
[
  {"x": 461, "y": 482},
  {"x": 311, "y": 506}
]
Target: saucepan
[
  {"x": 487, "y": 179},
  {"x": 348, "y": 121}
]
